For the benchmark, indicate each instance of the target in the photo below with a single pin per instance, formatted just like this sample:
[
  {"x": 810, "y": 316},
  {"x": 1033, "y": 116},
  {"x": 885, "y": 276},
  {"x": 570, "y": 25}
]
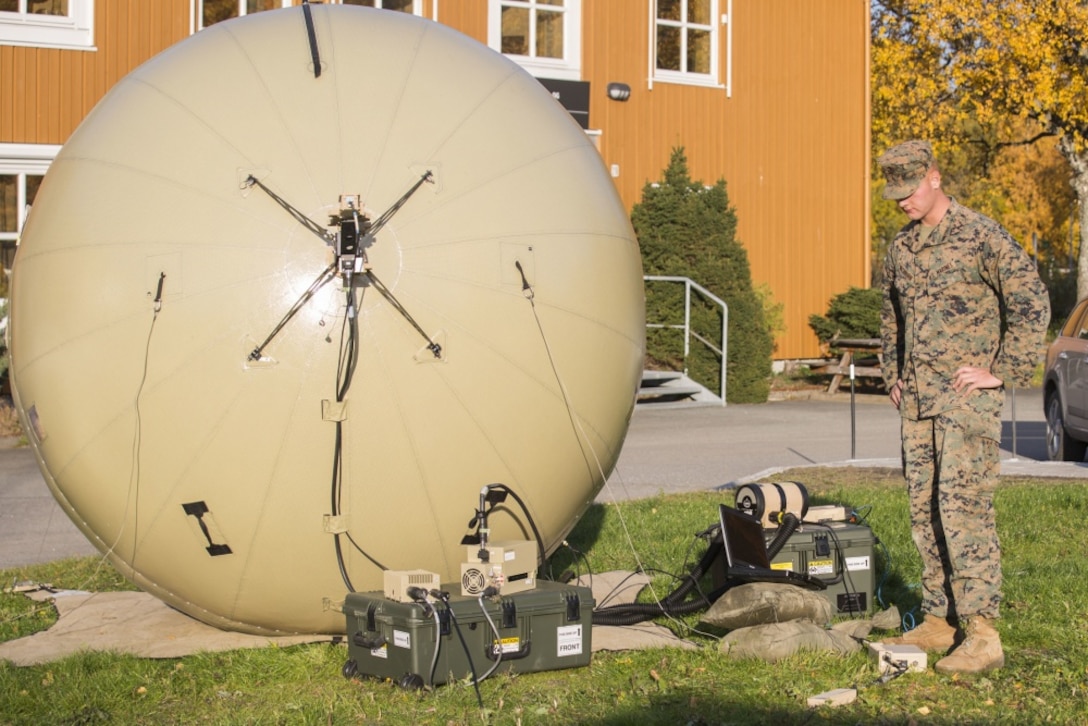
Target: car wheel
[{"x": 1059, "y": 445}]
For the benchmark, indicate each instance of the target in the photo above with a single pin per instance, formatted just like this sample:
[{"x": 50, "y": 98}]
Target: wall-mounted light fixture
[{"x": 619, "y": 91}]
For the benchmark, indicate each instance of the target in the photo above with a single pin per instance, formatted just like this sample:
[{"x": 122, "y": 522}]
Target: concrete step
[{"x": 673, "y": 387}]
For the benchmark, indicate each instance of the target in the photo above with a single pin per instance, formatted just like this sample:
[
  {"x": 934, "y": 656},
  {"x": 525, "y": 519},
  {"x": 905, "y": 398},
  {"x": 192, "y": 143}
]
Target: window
[
  {"x": 404, "y": 6},
  {"x": 22, "y": 167},
  {"x": 686, "y": 41},
  {"x": 543, "y": 36},
  {"x": 210, "y": 12},
  {"x": 65, "y": 24}
]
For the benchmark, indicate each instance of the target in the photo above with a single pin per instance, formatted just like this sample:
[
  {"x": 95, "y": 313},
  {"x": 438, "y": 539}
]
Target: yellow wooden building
[{"x": 771, "y": 95}]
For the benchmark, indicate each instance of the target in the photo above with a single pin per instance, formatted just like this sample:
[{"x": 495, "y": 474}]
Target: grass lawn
[{"x": 1044, "y": 629}]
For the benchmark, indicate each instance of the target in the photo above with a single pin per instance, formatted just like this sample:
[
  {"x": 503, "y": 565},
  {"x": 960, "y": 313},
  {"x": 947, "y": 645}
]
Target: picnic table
[{"x": 852, "y": 348}]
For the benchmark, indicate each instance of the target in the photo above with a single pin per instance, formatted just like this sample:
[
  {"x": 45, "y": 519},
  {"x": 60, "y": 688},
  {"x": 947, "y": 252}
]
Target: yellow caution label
[{"x": 510, "y": 645}]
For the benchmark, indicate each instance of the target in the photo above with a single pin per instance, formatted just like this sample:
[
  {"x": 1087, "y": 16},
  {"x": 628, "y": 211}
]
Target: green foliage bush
[
  {"x": 688, "y": 229},
  {"x": 852, "y": 314}
]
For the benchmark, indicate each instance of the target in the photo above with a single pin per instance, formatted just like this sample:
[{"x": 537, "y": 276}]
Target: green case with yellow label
[
  {"x": 840, "y": 554},
  {"x": 416, "y": 645}
]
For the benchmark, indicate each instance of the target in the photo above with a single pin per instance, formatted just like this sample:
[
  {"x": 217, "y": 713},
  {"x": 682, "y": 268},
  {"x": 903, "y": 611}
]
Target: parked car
[{"x": 1065, "y": 389}]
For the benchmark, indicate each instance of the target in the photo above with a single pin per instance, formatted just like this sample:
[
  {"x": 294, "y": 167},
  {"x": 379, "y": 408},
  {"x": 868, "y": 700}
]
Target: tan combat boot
[
  {"x": 980, "y": 651},
  {"x": 933, "y": 634}
]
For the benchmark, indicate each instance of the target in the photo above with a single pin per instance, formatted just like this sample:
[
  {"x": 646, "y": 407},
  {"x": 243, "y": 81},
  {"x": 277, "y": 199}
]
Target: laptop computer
[{"x": 746, "y": 557}]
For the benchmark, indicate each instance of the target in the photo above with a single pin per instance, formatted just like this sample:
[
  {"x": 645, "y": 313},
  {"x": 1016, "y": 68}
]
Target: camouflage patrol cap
[{"x": 904, "y": 167}]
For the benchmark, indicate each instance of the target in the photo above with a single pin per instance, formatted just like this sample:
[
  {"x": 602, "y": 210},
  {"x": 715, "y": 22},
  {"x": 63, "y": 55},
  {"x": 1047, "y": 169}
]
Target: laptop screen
[{"x": 742, "y": 536}]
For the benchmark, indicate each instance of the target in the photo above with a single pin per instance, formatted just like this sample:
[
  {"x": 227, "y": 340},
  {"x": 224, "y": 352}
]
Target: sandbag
[
  {"x": 856, "y": 629},
  {"x": 775, "y": 641},
  {"x": 756, "y": 603},
  {"x": 889, "y": 619}
]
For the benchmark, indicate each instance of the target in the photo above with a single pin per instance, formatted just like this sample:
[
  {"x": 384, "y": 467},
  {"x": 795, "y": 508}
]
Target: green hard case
[
  {"x": 840, "y": 554},
  {"x": 546, "y": 628}
]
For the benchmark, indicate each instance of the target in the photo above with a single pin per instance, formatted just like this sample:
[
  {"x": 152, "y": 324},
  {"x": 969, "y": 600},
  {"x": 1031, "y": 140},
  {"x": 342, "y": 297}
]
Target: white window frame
[
  {"x": 72, "y": 32},
  {"x": 567, "y": 68},
  {"x": 24, "y": 160},
  {"x": 717, "y": 20}
]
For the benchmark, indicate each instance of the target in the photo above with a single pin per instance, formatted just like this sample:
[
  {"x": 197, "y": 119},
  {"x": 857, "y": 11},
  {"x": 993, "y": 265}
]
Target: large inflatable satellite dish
[{"x": 298, "y": 289}]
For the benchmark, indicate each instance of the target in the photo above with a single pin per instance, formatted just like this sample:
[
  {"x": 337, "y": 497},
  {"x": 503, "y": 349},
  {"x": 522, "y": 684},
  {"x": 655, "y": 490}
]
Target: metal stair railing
[{"x": 691, "y": 286}]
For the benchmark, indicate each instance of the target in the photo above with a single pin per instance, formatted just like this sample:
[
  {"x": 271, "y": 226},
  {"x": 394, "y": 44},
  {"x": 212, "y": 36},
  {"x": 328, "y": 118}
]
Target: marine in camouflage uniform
[{"x": 964, "y": 315}]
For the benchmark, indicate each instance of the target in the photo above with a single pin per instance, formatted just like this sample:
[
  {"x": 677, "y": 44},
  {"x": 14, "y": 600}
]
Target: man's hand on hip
[{"x": 969, "y": 378}]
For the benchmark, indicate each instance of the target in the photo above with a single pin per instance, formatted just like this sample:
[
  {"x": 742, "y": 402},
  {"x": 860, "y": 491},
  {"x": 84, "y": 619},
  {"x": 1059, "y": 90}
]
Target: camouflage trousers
[{"x": 951, "y": 463}]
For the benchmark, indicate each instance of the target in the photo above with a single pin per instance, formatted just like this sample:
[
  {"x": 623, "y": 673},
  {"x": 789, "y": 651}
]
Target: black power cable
[
  {"x": 349, "y": 349},
  {"x": 345, "y": 373},
  {"x": 528, "y": 517},
  {"x": 445, "y": 598},
  {"x": 675, "y": 603}
]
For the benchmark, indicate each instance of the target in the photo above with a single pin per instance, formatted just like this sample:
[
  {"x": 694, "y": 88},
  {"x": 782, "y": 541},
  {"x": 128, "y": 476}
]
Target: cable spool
[{"x": 767, "y": 501}]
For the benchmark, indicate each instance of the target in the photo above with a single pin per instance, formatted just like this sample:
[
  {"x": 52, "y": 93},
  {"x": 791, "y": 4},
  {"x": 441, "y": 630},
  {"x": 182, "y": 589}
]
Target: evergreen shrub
[
  {"x": 852, "y": 314},
  {"x": 688, "y": 229}
]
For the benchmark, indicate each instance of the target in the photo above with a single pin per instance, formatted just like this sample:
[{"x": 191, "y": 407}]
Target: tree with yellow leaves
[{"x": 980, "y": 76}]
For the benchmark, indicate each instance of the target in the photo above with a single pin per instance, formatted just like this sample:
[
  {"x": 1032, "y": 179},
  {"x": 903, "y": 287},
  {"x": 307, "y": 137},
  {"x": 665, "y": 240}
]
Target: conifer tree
[{"x": 688, "y": 229}]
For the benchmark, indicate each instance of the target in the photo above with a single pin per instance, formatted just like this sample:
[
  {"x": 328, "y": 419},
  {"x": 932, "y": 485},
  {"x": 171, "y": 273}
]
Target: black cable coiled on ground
[{"x": 676, "y": 602}]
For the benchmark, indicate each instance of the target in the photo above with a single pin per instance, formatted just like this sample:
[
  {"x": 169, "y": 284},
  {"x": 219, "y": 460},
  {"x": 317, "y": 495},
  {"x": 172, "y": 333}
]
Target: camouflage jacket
[{"x": 967, "y": 296}]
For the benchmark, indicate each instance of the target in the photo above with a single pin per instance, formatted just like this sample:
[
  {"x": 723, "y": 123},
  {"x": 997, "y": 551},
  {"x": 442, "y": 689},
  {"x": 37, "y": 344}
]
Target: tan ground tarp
[{"x": 134, "y": 623}]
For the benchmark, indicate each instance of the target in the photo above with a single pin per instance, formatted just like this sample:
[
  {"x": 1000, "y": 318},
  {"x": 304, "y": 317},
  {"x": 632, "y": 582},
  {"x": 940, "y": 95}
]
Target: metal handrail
[{"x": 689, "y": 286}]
